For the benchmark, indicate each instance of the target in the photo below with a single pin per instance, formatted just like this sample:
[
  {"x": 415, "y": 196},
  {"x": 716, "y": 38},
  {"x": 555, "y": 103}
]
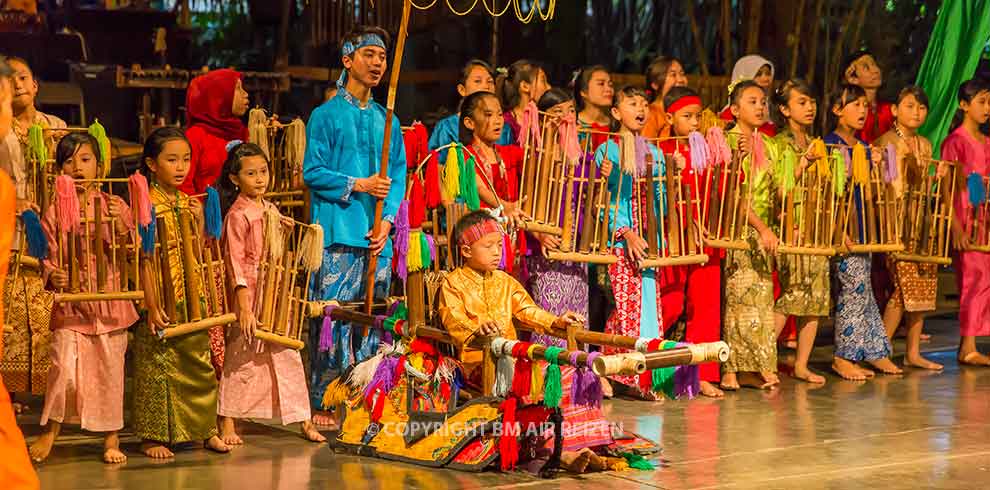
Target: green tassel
[
  {"x": 36, "y": 145},
  {"x": 788, "y": 165},
  {"x": 100, "y": 133},
  {"x": 838, "y": 172},
  {"x": 663, "y": 381},
  {"x": 636, "y": 461},
  {"x": 469, "y": 186},
  {"x": 424, "y": 251},
  {"x": 552, "y": 391}
]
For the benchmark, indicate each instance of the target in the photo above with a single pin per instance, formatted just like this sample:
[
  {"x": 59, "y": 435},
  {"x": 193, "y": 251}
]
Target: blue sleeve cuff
[
  {"x": 390, "y": 218},
  {"x": 346, "y": 197}
]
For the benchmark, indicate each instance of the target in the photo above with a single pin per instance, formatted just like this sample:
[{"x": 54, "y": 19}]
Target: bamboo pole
[
  {"x": 795, "y": 39},
  {"x": 369, "y": 296},
  {"x": 699, "y": 45}
]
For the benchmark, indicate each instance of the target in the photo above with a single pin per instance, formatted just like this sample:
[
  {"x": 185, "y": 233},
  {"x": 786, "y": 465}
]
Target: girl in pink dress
[
  {"x": 86, "y": 381},
  {"x": 261, "y": 380},
  {"x": 967, "y": 145}
]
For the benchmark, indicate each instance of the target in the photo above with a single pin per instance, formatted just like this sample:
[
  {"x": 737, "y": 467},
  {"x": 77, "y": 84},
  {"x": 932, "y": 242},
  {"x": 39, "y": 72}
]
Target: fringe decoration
[
  {"x": 425, "y": 251},
  {"x": 718, "y": 148},
  {"x": 414, "y": 257},
  {"x": 687, "y": 381},
  {"x": 567, "y": 137},
  {"x": 431, "y": 184},
  {"x": 384, "y": 378},
  {"x": 638, "y": 462},
  {"x": 535, "y": 379},
  {"x": 553, "y": 391},
  {"x": 137, "y": 188},
  {"x": 451, "y": 185},
  {"x": 417, "y": 203},
  {"x": 627, "y": 153},
  {"x": 35, "y": 235},
  {"x": 212, "y": 215},
  {"x": 860, "y": 165},
  {"x": 817, "y": 148},
  {"x": 326, "y": 329},
  {"x": 67, "y": 203},
  {"x": 529, "y": 124},
  {"x": 401, "y": 240},
  {"x": 97, "y": 131},
  {"x": 508, "y": 444},
  {"x": 433, "y": 247},
  {"x": 294, "y": 141},
  {"x": 364, "y": 372},
  {"x": 977, "y": 192},
  {"x": 336, "y": 393},
  {"x": 273, "y": 234},
  {"x": 147, "y": 234},
  {"x": 838, "y": 172},
  {"x": 891, "y": 159},
  {"x": 663, "y": 381},
  {"x": 311, "y": 248},
  {"x": 469, "y": 184},
  {"x": 759, "y": 152},
  {"x": 504, "y": 371},
  {"x": 258, "y": 130},
  {"x": 37, "y": 149},
  {"x": 700, "y": 157},
  {"x": 521, "y": 376},
  {"x": 788, "y": 166}
]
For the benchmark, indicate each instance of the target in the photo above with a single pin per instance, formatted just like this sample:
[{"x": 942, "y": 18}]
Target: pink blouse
[
  {"x": 243, "y": 242},
  {"x": 974, "y": 156},
  {"x": 92, "y": 317}
]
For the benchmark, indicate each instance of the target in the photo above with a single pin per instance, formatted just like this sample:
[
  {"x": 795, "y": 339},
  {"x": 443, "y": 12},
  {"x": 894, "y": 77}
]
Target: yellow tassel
[
  {"x": 451, "y": 185},
  {"x": 817, "y": 148},
  {"x": 311, "y": 248},
  {"x": 536, "y": 381},
  {"x": 273, "y": 234},
  {"x": 416, "y": 361},
  {"x": 336, "y": 393},
  {"x": 709, "y": 120},
  {"x": 861, "y": 167},
  {"x": 414, "y": 258}
]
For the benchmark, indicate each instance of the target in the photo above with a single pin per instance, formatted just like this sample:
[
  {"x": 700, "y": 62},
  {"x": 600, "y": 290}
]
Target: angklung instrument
[
  {"x": 978, "y": 228},
  {"x": 868, "y": 210},
  {"x": 285, "y": 147},
  {"x": 809, "y": 202},
  {"x": 926, "y": 209}
]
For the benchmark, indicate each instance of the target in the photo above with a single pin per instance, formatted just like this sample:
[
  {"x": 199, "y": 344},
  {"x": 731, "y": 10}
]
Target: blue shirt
[
  {"x": 622, "y": 218},
  {"x": 834, "y": 139},
  {"x": 343, "y": 144},
  {"x": 446, "y": 132}
]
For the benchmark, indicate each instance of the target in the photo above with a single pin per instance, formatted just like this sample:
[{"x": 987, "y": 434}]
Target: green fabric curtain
[{"x": 953, "y": 52}]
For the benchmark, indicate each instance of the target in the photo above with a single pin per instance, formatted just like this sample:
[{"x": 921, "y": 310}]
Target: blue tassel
[
  {"x": 977, "y": 194},
  {"x": 36, "y": 239},
  {"x": 148, "y": 234},
  {"x": 214, "y": 219}
]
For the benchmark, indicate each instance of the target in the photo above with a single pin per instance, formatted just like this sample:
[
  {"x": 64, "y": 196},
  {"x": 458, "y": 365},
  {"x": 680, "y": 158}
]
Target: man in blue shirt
[{"x": 344, "y": 140}]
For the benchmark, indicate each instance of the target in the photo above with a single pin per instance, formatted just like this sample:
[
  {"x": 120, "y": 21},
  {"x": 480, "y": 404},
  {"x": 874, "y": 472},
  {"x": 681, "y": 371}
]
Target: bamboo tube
[
  {"x": 652, "y": 263},
  {"x": 282, "y": 340},
  {"x": 281, "y": 317},
  {"x": 164, "y": 265},
  {"x": 99, "y": 296},
  {"x": 211, "y": 273},
  {"x": 197, "y": 326},
  {"x": 803, "y": 250},
  {"x": 74, "y": 258},
  {"x": 590, "y": 204},
  {"x": 649, "y": 206},
  {"x": 101, "y": 266},
  {"x": 673, "y": 231},
  {"x": 190, "y": 267},
  {"x": 582, "y": 257},
  {"x": 568, "y": 211}
]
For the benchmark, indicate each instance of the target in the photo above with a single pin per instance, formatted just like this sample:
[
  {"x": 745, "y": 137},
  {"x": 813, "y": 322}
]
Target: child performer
[
  {"x": 481, "y": 126},
  {"x": 859, "y": 329},
  {"x": 663, "y": 74},
  {"x": 523, "y": 82},
  {"x": 749, "y": 327},
  {"x": 915, "y": 284},
  {"x": 971, "y": 148},
  {"x": 260, "y": 380},
  {"x": 593, "y": 94},
  {"x": 691, "y": 290},
  {"x": 861, "y": 69},
  {"x": 175, "y": 387},
  {"x": 86, "y": 381},
  {"x": 804, "y": 279},
  {"x": 637, "y": 302},
  {"x": 477, "y": 299},
  {"x": 476, "y": 76},
  {"x": 344, "y": 140},
  {"x": 760, "y": 70}
]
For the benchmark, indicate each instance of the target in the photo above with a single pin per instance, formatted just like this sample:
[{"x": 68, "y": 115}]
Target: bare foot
[
  {"x": 729, "y": 382},
  {"x": 324, "y": 419},
  {"x": 607, "y": 391},
  {"x": 808, "y": 376},
  {"x": 310, "y": 433},
  {"x": 974, "y": 358},
  {"x": 886, "y": 366},
  {"x": 710, "y": 390},
  {"x": 216, "y": 445},
  {"x": 866, "y": 371},
  {"x": 753, "y": 380},
  {"x": 576, "y": 461},
  {"x": 228, "y": 432},
  {"x": 156, "y": 450},
  {"x": 43, "y": 446},
  {"x": 847, "y": 370},
  {"x": 922, "y": 363},
  {"x": 770, "y": 377},
  {"x": 111, "y": 450}
]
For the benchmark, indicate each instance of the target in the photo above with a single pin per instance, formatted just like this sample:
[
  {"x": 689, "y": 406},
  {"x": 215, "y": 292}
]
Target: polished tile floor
[{"x": 919, "y": 430}]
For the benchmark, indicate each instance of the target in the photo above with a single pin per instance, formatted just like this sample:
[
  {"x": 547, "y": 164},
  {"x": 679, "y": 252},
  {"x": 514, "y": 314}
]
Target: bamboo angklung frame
[
  {"x": 76, "y": 248},
  {"x": 874, "y": 226},
  {"x": 926, "y": 211},
  {"x": 812, "y": 230},
  {"x": 287, "y": 190},
  {"x": 724, "y": 209},
  {"x": 979, "y": 231},
  {"x": 204, "y": 275},
  {"x": 282, "y": 294},
  {"x": 41, "y": 176},
  {"x": 543, "y": 179}
]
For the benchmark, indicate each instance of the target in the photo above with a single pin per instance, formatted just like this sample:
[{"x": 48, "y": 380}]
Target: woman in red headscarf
[{"x": 215, "y": 103}]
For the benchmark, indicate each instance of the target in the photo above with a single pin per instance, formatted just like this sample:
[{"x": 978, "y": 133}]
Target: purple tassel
[
  {"x": 699, "y": 151},
  {"x": 592, "y": 388},
  {"x": 642, "y": 150},
  {"x": 501, "y": 262},
  {"x": 687, "y": 381},
  {"x": 379, "y": 322},
  {"x": 326, "y": 331},
  {"x": 847, "y": 157},
  {"x": 433, "y": 247},
  {"x": 577, "y": 388},
  {"x": 891, "y": 173},
  {"x": 384, "y": 377},
  {"x": 402, "y": 239}
]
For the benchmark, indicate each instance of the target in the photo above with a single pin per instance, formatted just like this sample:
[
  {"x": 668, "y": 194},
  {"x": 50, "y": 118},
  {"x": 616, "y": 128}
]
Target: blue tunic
[
  {"x": 343, "y": 144},
  {"x": 445, "y": 132}
]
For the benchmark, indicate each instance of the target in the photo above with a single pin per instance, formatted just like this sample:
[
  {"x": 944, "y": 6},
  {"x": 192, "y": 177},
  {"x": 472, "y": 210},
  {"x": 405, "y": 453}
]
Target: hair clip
[
  {"x": 502, "y": 71},
  {"x": 233, "y": 144}
]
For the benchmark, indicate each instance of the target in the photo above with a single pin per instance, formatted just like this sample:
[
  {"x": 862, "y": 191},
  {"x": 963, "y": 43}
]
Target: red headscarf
[{"x": 209, "y": 101}]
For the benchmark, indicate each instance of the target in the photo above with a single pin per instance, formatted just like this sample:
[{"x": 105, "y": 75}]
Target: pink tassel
[
  {"x": 137, "y": 186},
  {"x": 642, "y": 151},
  {"x": 759, "y": 152},
  {"x": 699, "y": 151},
  {"x": 530, "y": 123},
  {"x": 326, "y": 330},
  {"x": 891, "y": 173},
  {"x": 568, "y": 137},
  {"x": 718, "y": 149},
  {"x": 401, "y": 241},
  {"x": 67, "y": 203}
]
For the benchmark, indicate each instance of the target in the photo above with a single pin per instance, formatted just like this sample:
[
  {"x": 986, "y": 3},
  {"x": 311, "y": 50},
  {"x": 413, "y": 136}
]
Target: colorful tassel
[
  {"x": 535, "y": 380},
  {"x": 892, "y": 168},
  {"x": 97, "y": 131},
  {"x": 311, "y": 248},
  {"x": 137, "y": 187},
  {"x": 433, "y": 247},
  {"x": 504, "y": 371},
  {"x": 451, "y": 185},
  {"x": 37, "y": 149},
  {"x": 36, "y": 239},
  {"x": 838, "y": 172},
  {"x": 759, "y": 152},
  {"x": 567, "y": 137},
  {"x": 417, "y": 203},
  {"x": 425, "y": 253},
  {"x": 147, "y": 234},
  {"x": 718, "y": 147},
  {"x": 326, "y": 329},
  {"x": 431, "y": 181},
  {"x": 663, "y": 381},
  {"x": 977, "y": 192},
  {"x": 337, "y": 392},
  {"x": 638, "y": 462},
  {"x": 860, "y": 165},
  {"x": 529, "y": 124},
  {"x": 469, "y": 184},
  {"x": 400, "y": 242},
  {"x": 788, "y": 167},
  {"x": 687, "y": 381},
  {"x": 67, "y": 203},
  {"x": 212, "y": 215},
  {"x": 699, "y": 151},
  {"x": 508, "y": 444},
  {"x": 384, "y": 378},
  {"x": 552, "y": 392},
  {"x": 847, "y": 161},
  {"x": 414, "y": 257},
  {"x": 817, "y": 148}
]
